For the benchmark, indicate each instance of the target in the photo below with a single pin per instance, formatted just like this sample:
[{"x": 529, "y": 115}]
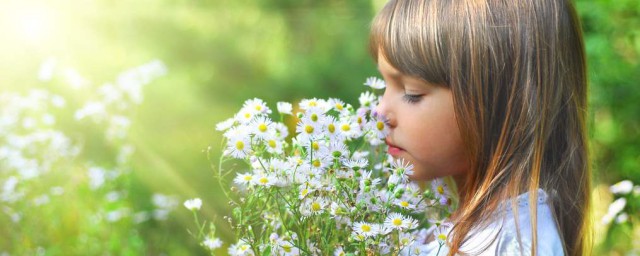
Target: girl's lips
[{"x": 393, "y": 149}]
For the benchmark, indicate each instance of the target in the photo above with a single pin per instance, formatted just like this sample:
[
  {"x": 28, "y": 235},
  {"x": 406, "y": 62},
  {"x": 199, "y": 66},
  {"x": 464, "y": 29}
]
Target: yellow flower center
[
  {"x": 272, "y": 143},
  {"x": 366, "y": 228},
  {"x": 304, "y": 192},
  {"x": 247, "y": 115},
  {"x": 339, "y": 106},
  {"x": 313, "y": 103},
  {"x": 345, "y": 127},
  {"x": 264, "y": 180},
  {"x": 359, "y": 120},
  {"x": 308, "y": 129},
  {"x": 331, "y": 128},
  {"x": 397, "y": 222},
  {"x": 316, "y": 163},
  {"x": 286, "y": 248},
  {"x": 404, "y": 204},
  {"x": 248, "y": 178},
  {"x": 315, "y": 145},
  {"x": 258, "y": 108},
  {"x": 314, "y": 117},
  {"x": 240, "y": 145},
  {"x": 380, "y": 126},
  {"x": 440, "y": 189},
  {"x": 442, "y": 237},
  {"x": 262, "y": 127},
  {"x": 315, "y": 206}
]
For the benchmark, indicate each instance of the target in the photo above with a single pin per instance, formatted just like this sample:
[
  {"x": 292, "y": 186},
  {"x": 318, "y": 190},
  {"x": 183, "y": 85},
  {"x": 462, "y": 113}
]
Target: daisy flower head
[
  {"x": 367, "y": 99},
  {"x": 193, "y": 204},
  {"x": 356, "y": 163},
  {"x": 313, "y": 206},
  {"x": 284, "y": 108},
  {"x": 226, "y": 124},
  {"x": 349, "y": 129},
  {"x": 282, "y": 131},
  {"x": 307, "y": 130},
  {"x": 440, "y": 190},
  {"x": 441, "y": 232},
  {"x": 244, "y": 179},
  {"x": 239, "y": 147},
  {"x": 274, "y": 145},
  {"x": 338, "y": 105},
  {"x": 366, "y": 229},
  {"x": 307, "y": 104},
  {"x": 379, "y": 126},
  {"x": 331, "y": 129},
  {"x": 403, "y": 169},
  {"x": 375, "y": 83},
  {"x": 261, "y": 127},
  {"x": 265, "y": 180},
  {"x": 256, "y": 106},
  {"x": 245, "y": 115},
  {"x": 241, "y": 248},
  {"x": 240, "y": 131},
  {"x": 396, "y": 221},
  {"x": 404, "y": 204},
  {"x": 212, "y": 243}
]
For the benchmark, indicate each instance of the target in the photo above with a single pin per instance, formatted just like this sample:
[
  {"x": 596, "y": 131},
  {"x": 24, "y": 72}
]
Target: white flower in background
[
  {"x": 212, "y": 243},
  {"x": 396, "y": 221},
  {"x": 379, "y": 126},
  {"x": 313, "y": 206},
  {"x": 265, "y": 180},
  {"x": 403, "y": 169},
  {"x": 622, "y": 218},
  {"x": 367, "y": 99},
  {"x": 226, "y": 124},
  {"x": 375, "y": 83},
  {"x": 441, "y": 191},
  {"x": 614, "y": 208},
  {"x": 244, "y": 179},
  {"x": 366, "y": 229},
  {"x": 47, "y": 69},
  {"x": 274, "y": 145},
  {"x": 256, "y": 106},
  {"x": 339, "y": 252},
  {"x": 441, "y": 232},
  {"x": 97, "y": 177},
  {"x": 307, "y": 104},
  {"x": 622, "y": 188},
  {"x": 95, "y": 110},
  {"x": 193, "y": 204},
  {"x": 261, "y": 127},
  {"x": 239, "y": 147},
  {"x": 241, "y": 248},
  {"x": 284, "y": 108},
  {"x": 165, "y": 202},
  {"x": 245, "y": 116}
]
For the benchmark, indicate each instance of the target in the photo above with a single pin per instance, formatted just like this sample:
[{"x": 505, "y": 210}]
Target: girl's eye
[{"x": 412, "y": 98}]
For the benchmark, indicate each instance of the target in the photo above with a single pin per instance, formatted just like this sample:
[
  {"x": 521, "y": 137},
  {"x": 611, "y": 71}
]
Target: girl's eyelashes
[{"x": 412, "y": 98}]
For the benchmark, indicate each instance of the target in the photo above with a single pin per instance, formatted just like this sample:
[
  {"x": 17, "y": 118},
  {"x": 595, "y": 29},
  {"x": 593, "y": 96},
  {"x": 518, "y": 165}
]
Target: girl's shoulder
[
  {"x": 511, "y": 231},
  {"x": 501, "y": 237}
]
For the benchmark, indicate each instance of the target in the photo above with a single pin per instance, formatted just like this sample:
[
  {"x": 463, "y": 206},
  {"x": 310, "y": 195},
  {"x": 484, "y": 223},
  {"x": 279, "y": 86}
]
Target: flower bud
[{"x": 391, "y": 186}]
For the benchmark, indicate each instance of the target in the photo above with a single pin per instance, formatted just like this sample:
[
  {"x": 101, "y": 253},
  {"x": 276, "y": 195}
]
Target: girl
[{"x": 493, "y": 94}]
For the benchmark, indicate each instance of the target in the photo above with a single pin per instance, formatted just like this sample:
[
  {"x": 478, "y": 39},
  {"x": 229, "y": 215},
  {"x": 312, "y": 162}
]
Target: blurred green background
[{"x": 219, "y": 53}]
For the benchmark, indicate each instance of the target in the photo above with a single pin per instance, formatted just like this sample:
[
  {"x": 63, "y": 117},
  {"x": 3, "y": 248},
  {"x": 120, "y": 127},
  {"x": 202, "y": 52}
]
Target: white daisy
[
  {"x": 366, "y": 99},
  {"x": 226, "y": 124},
  {"x": 284, "y": 108},
  {"x": 261, "y": 127},
  {"x": 375, "y": 83},
  {"x": 256, "y": 106},
  {"x": 307, "y": 130},
  {"x": 282, "y": 131},
  {"x": 265, "y": 180},
  {"x": 405, "y": 204},
  {"x": 212, "y": 243},
  {"x": 402, "y": 168},
  {"x": 332, "y": 129},
  {"x": 244, "y": 179},
  {"x": 239, "y": 147},
  {"x": 313, "y": 206},
  {"x": 193, "y": 204},
  {"x": 379, "y": 126},
  {"x": 274, "y": 145},
  {"x": 244, "y": 116},
  {"x": 441, "y": 191},
  {"x": 306, "y": 104},
  {"x": 396, "y": 221},
  {"x": 366, "y": 229}
]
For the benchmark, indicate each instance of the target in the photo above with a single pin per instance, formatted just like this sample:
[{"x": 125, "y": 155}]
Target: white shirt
[{"x": 501, "y": 237}]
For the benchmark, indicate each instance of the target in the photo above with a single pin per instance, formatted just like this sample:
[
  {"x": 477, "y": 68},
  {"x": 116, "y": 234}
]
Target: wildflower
[
  {"x": 244, "y": 179},
  {"x": 375, "y": 83},
  {"x": 442, "y": 232},
  {"x": 261, "y": 127},
  {"x": 379, "y": 127},
  {"x": 366, "y": 229},
  {"x": 622, "y": 188},
  {"x": 405, "y": 204},
  {"x": 339, "y": 252},
  {"x": 307, "y": 104},
  {"x": 265, "y": 180},
  {"x": 284, "y": 108},
  {"x": 212, "y": 243},
  {"x": 313, "y": 206},
  {"x": 239, "y": 147},
  {"x": 441, "y": 191},
  {"x": 274, "y": 146},
  {"x": 244, "y": 116},
  {"x": 367, "y": 99},
  {"x": 241, "y": 248},
  {"x": 396, "y": 221},
  {"x": 256, "y": 106},
  {"x": 193, "y": 204}
]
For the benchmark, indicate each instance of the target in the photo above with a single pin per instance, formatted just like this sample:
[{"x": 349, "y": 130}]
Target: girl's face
[{"x": 423, "y": 128}]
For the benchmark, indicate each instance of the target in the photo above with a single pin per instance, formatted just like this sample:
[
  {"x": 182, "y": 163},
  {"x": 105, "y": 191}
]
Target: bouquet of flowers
[{"x": 330, "y": 189}]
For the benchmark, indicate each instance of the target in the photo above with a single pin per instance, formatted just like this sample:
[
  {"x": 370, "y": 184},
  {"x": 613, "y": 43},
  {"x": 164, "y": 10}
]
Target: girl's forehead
[{"x": 386, "y": 68}]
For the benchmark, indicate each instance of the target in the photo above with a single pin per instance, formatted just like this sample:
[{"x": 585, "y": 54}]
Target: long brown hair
[{"x": 517, "y": 72}]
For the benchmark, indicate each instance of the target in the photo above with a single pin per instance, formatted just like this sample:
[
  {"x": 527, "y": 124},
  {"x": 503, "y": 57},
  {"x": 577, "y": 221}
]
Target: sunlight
[{"x": 31, "y": 23}]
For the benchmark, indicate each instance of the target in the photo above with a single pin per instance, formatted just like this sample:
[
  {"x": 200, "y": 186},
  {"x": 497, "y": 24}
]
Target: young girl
[{"x": 492, "y": 93}]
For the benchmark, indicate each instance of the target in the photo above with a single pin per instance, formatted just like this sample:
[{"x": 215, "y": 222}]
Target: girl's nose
[{"x": 383, "y": 110}]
